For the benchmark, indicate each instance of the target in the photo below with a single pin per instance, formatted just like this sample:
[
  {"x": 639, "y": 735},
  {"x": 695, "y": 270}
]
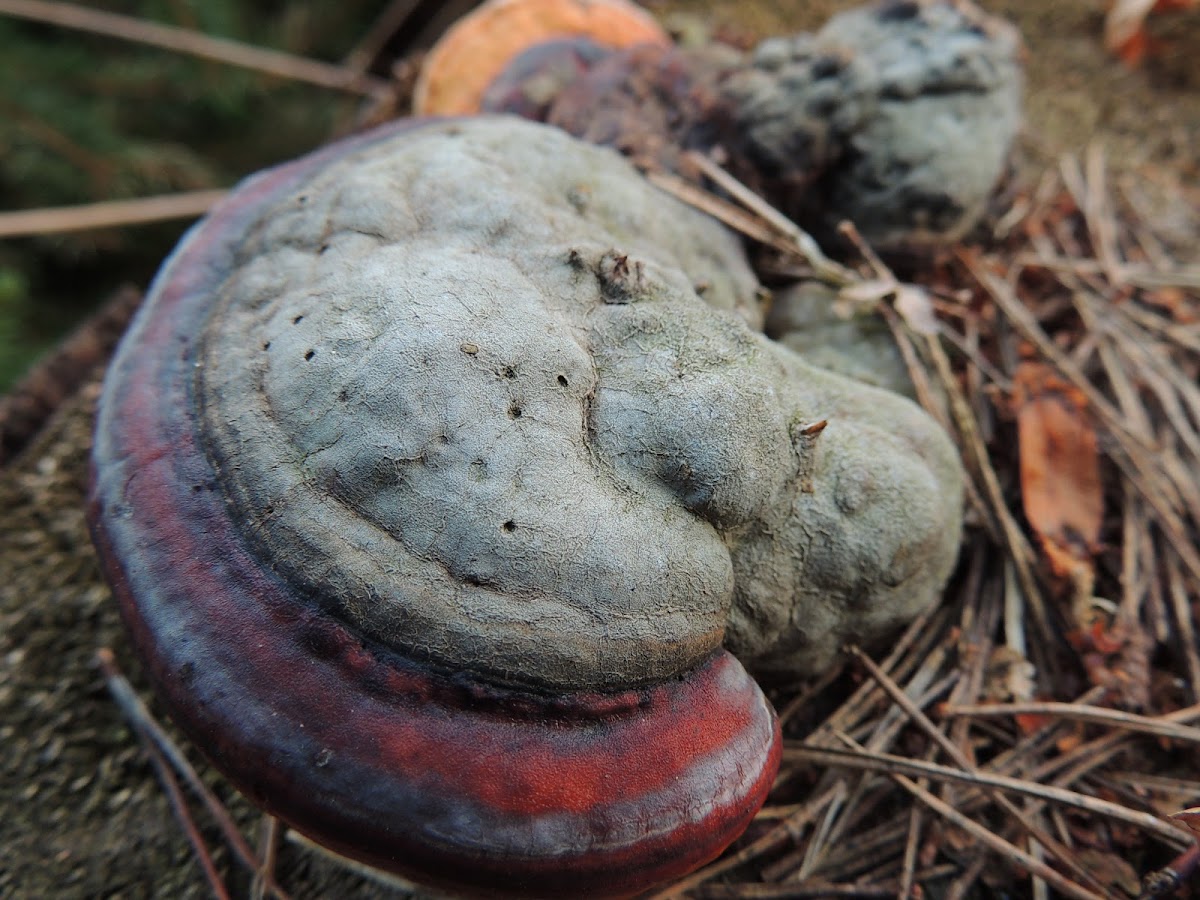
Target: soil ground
[{"x": 81, "y": 814}]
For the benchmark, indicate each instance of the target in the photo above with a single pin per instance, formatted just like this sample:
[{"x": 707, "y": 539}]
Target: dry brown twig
[
  {"x": 194, "y": 43},
  {"x": 107, "y": 214},
  {"x": 167, "y": 757}
]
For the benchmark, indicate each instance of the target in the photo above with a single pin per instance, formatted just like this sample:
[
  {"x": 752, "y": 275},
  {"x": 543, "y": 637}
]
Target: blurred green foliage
[{"x": 86, "y": 118}]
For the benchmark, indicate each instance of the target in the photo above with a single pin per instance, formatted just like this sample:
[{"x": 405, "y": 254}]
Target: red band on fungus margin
[{"x": 369, "y": 753}]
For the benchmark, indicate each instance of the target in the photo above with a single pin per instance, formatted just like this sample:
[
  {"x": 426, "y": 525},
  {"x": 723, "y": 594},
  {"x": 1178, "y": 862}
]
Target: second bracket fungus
[{"x": 443, "y": 477}]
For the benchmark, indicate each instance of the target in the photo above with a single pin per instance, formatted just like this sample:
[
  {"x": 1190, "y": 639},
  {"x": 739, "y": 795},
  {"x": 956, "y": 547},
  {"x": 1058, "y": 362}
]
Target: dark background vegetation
[{"x": 86, "y": 118}]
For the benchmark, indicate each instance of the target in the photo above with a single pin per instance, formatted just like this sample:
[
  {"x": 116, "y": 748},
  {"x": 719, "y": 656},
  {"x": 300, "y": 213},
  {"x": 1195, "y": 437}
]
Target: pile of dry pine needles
[
  {"x": 1035, "y": 727},
  {"x": 1031, "y": 735}
]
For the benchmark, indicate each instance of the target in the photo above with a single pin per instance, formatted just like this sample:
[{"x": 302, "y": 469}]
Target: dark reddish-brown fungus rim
[{"x": 352, "y": 744}]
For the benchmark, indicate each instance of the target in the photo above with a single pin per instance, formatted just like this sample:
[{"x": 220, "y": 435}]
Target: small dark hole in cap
[{"x": 898, "y": 11}]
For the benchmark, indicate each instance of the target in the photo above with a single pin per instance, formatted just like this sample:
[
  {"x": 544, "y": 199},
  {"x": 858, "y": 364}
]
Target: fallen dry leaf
[
  {"x": 1060, "y": 470},
  {"x": 913, "y": 303},
  {"x": 916, "y": 306},
  {"x": 1189, "y": 817}
]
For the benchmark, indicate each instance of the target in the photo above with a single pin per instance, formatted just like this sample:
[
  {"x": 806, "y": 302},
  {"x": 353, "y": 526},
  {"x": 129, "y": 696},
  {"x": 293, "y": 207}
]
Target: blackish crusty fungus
[
  {"x": 899, "y": 115},
  {"x": 435, "y": 474}
]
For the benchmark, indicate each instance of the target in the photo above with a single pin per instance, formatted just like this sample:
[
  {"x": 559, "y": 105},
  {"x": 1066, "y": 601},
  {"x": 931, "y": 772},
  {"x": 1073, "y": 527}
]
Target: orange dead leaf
[
  {"x": 1124, "y": 28},
  {"x": 1071, "y": 740},
  {"x": 1060, "y": 469},
  {"x": 1031, "y": 722}
]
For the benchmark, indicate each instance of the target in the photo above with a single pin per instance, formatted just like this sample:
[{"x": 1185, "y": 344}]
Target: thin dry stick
[
  {"x": 147, "y": 728},
  {"x": 1025, "y": 823},
  {"x": 1141, "y": 475},
  {"x": 1182, "y": 790},
  {"x": 796, "y": 891},
  {"x": 370, "y": 873},
  {"x": 720, "y": 209},
  {"x": 194, "y": 43},
  {"x": 1028, "y": 326},
  {"x": 386, "y": 25},
  {"x": 913, "y": 647},
  {"x": 183, "y": 816},
  {"x": 1020, "y": 553},
  {"x": 1181, "y": 335},
  {"x": 1084, "y": 759},
  {"x": 122, "y": 693},
  {"x": 1133, "y": 524},
  {"x": 1185, "y": 625},
  {"x": 268, "y": 851},
  {"x": 1040, "y": 890},
  {"x": 882, "y": 731},
  {"x": 908, "y": 872},
  {"x": 975, "y": 450},
  {"x": 1031, "y": 747},
  {"x": 1103, "y": 715},
  {"x": 887, "y": 728},
  {"x": 993, "y": 841},
  {"x": 981, "y": 615},
  {"x": 1124, "y": 348},
  {"x": 107, "y": 214},
  {"x": 1127, "y": 394},
  {"x": 812, "y": 691},
  {"x": 1091, "y": 197},
  {"x": 1176, "y": 835},
  {"x": 965, "y": 882},
  {"x": 824, "y": 828},
  {"x": 781, "y": 834},
  {"x": 807, "y": 248},
  {"x": 932, "y": 404},
  {"x": 972, "y": 354},
  {"x": 857, "y": 851}
]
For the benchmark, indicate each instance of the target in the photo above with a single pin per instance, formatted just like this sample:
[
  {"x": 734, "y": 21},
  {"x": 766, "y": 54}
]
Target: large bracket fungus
[{"x": 441, "y": 474}]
